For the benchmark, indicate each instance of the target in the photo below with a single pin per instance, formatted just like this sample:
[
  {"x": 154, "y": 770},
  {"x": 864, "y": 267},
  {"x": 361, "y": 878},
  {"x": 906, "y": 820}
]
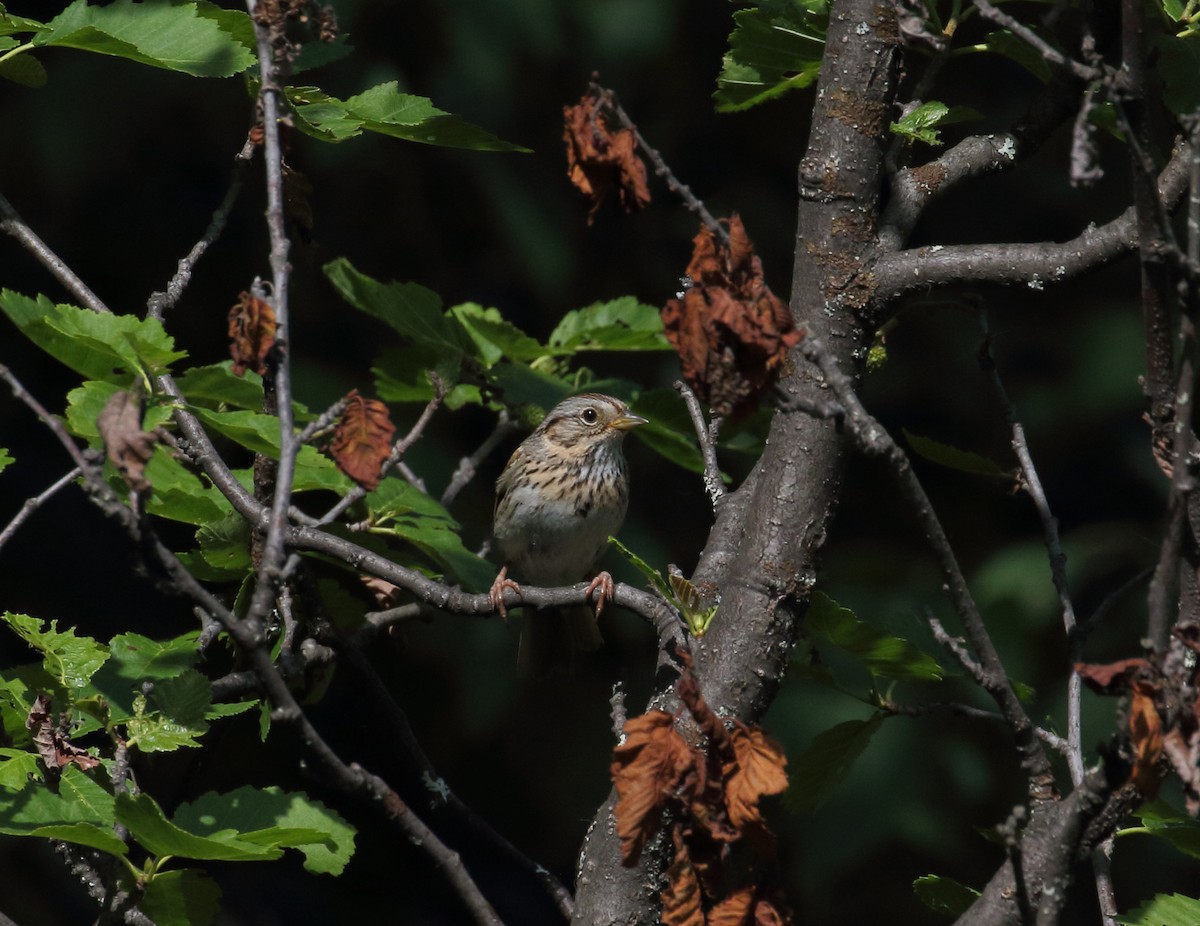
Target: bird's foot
[
  {"x": 603, "y": 582},
  {"x": 496, "y": 593}
]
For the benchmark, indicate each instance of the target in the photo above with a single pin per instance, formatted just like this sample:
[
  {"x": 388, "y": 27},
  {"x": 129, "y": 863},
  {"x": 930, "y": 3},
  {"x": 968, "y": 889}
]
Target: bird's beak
[{"x": 627, "y": 421}]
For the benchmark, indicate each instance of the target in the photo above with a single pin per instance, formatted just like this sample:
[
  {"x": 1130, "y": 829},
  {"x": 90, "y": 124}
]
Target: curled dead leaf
[
  {"x": 251, "y": 334},
  {"x": 363, "y": 439},
  {"x": 646, "y": 770},
  {"x": 731, "y": 332},
  {"x": 600, "y": 161},
  {"x": 757, "y": 773},
  {"x": 1111, "y": 677},
  {"x": 1146, "y": 736},
  {"x": 51, "y": 741},
  {"x": 681, "y": 898},
  {"x": 128, "y": 447}
]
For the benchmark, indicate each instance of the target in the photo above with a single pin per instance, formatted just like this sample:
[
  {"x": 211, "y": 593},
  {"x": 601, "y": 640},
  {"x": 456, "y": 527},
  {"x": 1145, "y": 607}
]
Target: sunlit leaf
[
  {"x": 775, "y": 46},
  {"x": 164, "y": 35}
]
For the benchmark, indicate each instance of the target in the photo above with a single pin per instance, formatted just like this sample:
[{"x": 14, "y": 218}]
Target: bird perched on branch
[{"x": 562, "y": 495}]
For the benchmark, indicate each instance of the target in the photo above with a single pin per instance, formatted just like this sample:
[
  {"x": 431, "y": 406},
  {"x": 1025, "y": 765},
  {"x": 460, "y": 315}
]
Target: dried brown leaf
[
  {"x": 600, "y": 161},
  {"x": 647, "y": 769},
  {"x": 129, "y": 448},
  {"x": 757, "y": 773},
  {"x": 681, "y": 897},
  {"x": 1112, "y": 677},
  {"x": 50, "y": 740},
  {"x": 363, "y": 439},
  {"x": 731, "y": 332},
  {"x": 386, "y": 594},
  {"x": 251, "y": 334},
  {"x": 1146, "y": 735},
  {"x": 737, "y": 909}
]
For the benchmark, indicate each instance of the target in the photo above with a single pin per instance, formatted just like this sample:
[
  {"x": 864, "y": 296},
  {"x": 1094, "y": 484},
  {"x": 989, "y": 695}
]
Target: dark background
[{"x": 118, "y": 167}]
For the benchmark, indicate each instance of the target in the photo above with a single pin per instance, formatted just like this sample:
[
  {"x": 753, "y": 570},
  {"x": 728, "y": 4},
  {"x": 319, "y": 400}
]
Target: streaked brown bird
[{"x": 562, "y": 495}]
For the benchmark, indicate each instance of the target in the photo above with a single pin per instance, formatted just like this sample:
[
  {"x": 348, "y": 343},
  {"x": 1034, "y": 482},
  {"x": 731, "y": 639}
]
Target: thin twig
[
  {"x": 160, "y": 303},
  {"x": 468, "y": 466},
  {"x": 868, "y": 436},
  {"x": 1032, "y": 484},
  {"x": 12, "y": 224},
  {"x": 33, "y": 504},
  {"x": 270, "y": 96},
  {"x": 609, "y": 98},
  {"x": 323, "y": 422},
  {"x": 52, "y": 422},
  {"x": 1044, "y": 48},
  {"x": 707, "y": 436},
  {"x": 399, "y": 449}
]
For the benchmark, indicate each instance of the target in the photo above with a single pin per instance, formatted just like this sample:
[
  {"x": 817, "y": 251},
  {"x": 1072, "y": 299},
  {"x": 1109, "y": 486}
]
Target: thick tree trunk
[{"x": 761, "y": 556}]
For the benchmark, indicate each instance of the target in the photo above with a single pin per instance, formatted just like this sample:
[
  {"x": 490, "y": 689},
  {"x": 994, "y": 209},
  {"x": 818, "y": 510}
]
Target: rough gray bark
[{"x": 761, "y": 556}]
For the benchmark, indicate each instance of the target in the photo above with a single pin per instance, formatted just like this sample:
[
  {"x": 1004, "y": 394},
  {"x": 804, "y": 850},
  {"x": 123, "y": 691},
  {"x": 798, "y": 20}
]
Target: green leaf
[
  {"x": 78, "y": 800},
  {"x": 136, "y": 659},
  {"x": 177, "y": 717},
  {"x": 1164, "y": 910},
  {"x": 944, "y": 895},
  {"x": 84, "y": 834},
  {"x": 521, "y": 385},
  {"x": 216, "y": 385},
  {"x": 139, "y": 657},
  {"x": 410, "y": 309},
  {"x": 97, "y": 345},
  {"x": 149, "y": 825},
  {"x": 620, "y": 325},
  {"x": 71, "y": 660},
  {"x": 184, "y": 897},
  {"x": 385, "y": 110},
  {"x": 827, "y": 762},
  {"x": 400, "y": 509},
  {"x": 494, "y": 337},
  {"x": 1017, "y": 49},
  {"x": 179, "y": 494},
  {"x": 85, "y": 403},
  {"x": 172, "y": 36},
  {"x": 18, "y": 768},
  {"x": 669, "y": 431},
  {"x": 775, "y": 46},
  {"x": 1180, "y": 830},
  {"x": 23, "y": 69},
  {"x": 921, "y": 123},
  {"x": 10, "y": 23},
  {"x": 16, "y": 697},
  {"x": 1178, "y": 64},
  {"x": 5, "y": 458},
  {"x": 885, "y": 656},
  {"x": 963, "y": 460},
  {"x": 652, "y": 575},
  {"x": 272, "y": 817},
  {"x": 225, "y": 545}
]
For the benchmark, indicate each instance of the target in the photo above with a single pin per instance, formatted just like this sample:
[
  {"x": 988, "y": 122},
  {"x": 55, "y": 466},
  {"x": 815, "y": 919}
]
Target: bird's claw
[
  {"x": 496, "y": 592},
  {"x": 603, "y": 582}
]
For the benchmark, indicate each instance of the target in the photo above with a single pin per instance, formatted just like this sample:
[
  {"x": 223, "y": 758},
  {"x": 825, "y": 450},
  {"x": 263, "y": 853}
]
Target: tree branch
[
  {"x": 33, "y": 504},
  {"x": 869, "y": 437},
  {"x": 160, "y": 303},
  {"x": 12, "y": 224},
  {"x": 1034, "y": 265}
]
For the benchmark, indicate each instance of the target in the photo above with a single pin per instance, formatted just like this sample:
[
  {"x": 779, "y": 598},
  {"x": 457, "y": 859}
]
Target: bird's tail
[{"x": 553, "y": 637}]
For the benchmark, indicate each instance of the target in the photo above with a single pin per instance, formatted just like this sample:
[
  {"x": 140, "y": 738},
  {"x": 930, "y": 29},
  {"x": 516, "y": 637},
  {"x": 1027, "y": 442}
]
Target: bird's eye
[{"x": 588, "y": 416}]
